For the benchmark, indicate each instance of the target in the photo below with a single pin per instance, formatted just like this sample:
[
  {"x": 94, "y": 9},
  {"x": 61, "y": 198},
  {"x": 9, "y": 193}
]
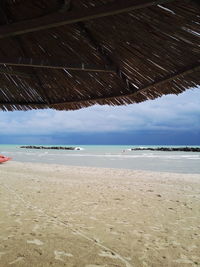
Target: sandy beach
[{"x": 54, "y": 215}]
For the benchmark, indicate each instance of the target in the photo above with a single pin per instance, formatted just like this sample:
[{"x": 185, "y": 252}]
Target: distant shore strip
[{"x": 170, "y": 149}]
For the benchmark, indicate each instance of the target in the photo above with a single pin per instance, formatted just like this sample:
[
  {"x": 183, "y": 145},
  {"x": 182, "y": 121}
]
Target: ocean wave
[
  {"x": 79, "y": 148},
  {"x": 66, "y": 154},
  {"x": 114, "y": 156}
]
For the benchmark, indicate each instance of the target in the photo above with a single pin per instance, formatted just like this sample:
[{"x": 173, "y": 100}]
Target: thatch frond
[{"x": 68, "y": 55}]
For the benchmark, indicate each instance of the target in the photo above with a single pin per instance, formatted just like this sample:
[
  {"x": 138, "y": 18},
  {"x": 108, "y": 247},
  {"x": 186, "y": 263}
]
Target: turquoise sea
[{"x": 110, "y": 157}]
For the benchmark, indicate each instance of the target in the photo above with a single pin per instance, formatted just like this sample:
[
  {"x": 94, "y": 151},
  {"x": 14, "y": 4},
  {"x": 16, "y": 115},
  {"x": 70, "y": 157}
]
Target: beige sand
[{"x": 53, "y": 215}]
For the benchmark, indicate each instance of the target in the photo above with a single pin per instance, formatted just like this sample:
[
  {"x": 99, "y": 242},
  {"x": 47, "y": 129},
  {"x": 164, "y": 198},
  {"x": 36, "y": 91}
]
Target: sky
[{"x": 169, "y": 120}]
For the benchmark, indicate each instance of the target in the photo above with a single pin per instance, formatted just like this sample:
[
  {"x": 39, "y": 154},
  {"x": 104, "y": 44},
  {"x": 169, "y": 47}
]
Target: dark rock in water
[
  {"x": 184, "y": 149},
  {"x": 50, "y": 147}
]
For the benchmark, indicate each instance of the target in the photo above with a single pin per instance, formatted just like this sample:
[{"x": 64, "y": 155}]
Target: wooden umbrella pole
[
  {"x": 65, "y": 18},
  {"x": 54, "y": 64}
]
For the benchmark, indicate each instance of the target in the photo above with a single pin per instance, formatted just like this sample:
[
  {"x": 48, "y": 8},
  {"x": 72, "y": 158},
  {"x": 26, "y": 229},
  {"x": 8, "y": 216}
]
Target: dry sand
[{"x": 53, "y": 215}]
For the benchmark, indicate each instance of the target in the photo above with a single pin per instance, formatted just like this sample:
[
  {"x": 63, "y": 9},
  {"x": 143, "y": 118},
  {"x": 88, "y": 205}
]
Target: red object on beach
[{"x": 4, "y": 159}]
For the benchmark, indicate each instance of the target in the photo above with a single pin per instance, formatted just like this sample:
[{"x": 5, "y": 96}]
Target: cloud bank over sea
[{"x": 180, "y": 113}]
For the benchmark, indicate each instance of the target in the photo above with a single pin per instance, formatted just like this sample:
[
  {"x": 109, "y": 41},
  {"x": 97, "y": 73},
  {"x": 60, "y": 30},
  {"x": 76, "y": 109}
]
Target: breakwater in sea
[
  {"x": 169, "y": 149},
  {"x": 51, "y": 147}
]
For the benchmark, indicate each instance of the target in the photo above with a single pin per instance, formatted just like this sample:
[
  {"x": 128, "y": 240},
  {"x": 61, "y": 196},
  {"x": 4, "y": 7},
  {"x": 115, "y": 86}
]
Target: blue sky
[{"x": 168, "y": 120}]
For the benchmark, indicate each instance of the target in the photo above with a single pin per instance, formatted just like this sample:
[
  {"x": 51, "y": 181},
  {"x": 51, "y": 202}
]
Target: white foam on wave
[
  {"x": 191, "y": 156},
  {"x": 132, "y": 149},
  {"x": 79, "y": 148}
]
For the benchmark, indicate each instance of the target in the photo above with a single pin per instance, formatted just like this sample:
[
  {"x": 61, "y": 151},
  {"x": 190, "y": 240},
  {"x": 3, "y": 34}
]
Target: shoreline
[
  {"x": 111, "y": 157},
  {"x": 57, "y": 215},
  {"x": 99, "y": 167}
]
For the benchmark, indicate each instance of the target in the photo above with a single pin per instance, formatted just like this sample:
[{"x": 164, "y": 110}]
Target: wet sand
[{"x": 53, "y": 215}]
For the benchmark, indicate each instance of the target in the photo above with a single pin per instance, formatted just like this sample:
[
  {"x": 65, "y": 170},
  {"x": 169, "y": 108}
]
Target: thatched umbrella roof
[{"x": 69, "y": 54}]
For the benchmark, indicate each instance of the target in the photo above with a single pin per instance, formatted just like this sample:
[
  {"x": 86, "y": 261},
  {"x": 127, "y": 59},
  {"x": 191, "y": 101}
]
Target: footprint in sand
[
  {"x": 35, "y": 242},
  {"x": 35, "y": 228},
  {"x": 183, "y": 261},
  {"x": 18, "y": 220},
  {"x": 112, "y": 255},
  {"x": 93, "y": 218},
  {"x": 17, "y": 260},
  {"x": 108, "y": 254},
  {"x": 2, "y": 253},
  {"x": 114, "y": 233},
  {"x": 60, "y": 254}
]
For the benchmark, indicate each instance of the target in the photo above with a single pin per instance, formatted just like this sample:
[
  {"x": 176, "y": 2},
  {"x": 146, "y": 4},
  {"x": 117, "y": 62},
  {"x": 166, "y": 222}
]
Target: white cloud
[{"x": 169, "y": 112}]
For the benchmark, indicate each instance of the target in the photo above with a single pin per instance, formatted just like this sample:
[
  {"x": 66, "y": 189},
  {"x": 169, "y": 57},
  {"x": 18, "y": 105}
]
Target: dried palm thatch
[{"x": 67, "y": 54}]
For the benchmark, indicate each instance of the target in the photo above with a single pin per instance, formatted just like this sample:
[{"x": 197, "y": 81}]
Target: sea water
[{"x": 109, "y": 157}]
